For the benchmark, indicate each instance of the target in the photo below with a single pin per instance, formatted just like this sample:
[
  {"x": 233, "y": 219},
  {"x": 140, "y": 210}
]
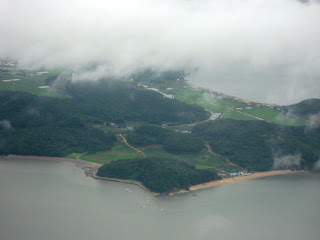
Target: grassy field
[
  {"x": 211, "y": 161},
  {"x": 74, "y": 155},
  {"x": 30, "y": 84},
  {"x": 199, "y": 166},
  {"x": 226, "y": 112},
  {"x": 202, "y": 160},
  {"x": 118, "y": 151},
  {"x": 185, "y": 93},
  {"x": 102, "y": 158},
  {"x": 211, "y": 102},
  {"x": 227, "y": 103},
  {"x": 274, "y": 116}
]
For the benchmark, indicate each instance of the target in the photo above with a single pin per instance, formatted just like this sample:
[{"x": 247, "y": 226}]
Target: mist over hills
[
  {"x": 82, "y": 76},
  {"x": 233, "y": 47},
  {"x": 304, "y": 109}
]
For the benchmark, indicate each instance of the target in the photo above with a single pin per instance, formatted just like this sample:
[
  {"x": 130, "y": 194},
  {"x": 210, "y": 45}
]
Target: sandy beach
[
  {"x": 242, "y": 178},
  {"x": 95, "y": 166}
]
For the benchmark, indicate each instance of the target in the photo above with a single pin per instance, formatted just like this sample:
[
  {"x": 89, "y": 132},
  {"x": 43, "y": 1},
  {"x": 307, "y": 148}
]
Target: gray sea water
[{"x": 44, "y": 200}]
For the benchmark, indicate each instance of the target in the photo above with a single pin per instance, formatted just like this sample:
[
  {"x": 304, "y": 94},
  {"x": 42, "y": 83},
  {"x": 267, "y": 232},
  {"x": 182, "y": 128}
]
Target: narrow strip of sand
[{"x": 242, "y": 178}]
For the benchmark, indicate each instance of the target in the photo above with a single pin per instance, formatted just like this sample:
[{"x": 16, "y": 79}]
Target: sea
[{"x": 51, "y": 200}]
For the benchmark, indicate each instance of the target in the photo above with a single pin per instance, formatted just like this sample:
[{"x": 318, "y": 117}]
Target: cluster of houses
[
  {"x": 9, "y": 66},
  {"x": 236, "y": 174},
  {"x": 113, "y": 125},
  {"x": 38, "y": 74},
  {"x": 171, "y": 96}
]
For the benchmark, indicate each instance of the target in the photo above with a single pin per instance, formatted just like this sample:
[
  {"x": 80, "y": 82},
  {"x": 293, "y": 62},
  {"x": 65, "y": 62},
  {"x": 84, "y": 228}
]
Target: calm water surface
[{"x": 55, "y": 200}]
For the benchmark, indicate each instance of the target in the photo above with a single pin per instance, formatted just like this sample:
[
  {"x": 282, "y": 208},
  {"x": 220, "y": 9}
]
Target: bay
[{"x": 42, "y": 199}]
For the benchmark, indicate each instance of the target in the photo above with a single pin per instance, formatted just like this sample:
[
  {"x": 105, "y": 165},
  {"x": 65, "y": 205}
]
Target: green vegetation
[
  {"x": 37, "y": 125},
  {"x": 118, "y": 102},
  {"x": 255, "y": 145},
  {"x": 274, "y": 116},
  {"x": 171, "y": 141},
  {"x": 208, "y": 159},
  {"x": 158, "y": 174},
  {"x": 106, "y": 158},
  {"x": 31, "y": 84},
  {"x": 53, "y": 140},
  {"x": 118, "y": 151},
  {"x": 84, "y": 118},
  {"x": 199, "y": 166},
  {"x": 226, "y": 105},
  {"x": 303, "y": 109},
  {"x": 208, "y": 97},
  {"x": 226, "y": 112},
  {"x": 74, "y": 155}
]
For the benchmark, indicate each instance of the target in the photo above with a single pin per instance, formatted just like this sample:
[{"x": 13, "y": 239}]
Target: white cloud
[
  {"x": 5, "y": 124},
  {"x": 287, "y": 161},
  {"x": 257, "y": 49},
  {"x": 316, "y": 166}
]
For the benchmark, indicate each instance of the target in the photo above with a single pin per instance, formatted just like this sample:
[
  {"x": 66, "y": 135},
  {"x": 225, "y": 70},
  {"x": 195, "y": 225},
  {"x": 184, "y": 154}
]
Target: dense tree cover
[
  {"x": 53, "y": 141},
  {"x": 147, "y": 134},
  {"x": 256, "y": 144},
  {"x": 183, "y": 143},
  {"x": 32, "y": 125},
  {"x": 34, "y": 121},
  {"x": 173, "y": 142},
  {"x": 158, "y": 174},
  {"x": 303, "y": 109},
  {"x": 117, "y": 102}
]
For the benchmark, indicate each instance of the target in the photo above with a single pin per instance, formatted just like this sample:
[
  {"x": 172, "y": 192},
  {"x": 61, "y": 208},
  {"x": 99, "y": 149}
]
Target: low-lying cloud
[
  {"x": 316, "y": 166},
  {"x": 314, "y": 121},
  {"x": 256, "y": 49},
  {"x": 287, "y": 161},
  {"x": 5, "y": 124}
]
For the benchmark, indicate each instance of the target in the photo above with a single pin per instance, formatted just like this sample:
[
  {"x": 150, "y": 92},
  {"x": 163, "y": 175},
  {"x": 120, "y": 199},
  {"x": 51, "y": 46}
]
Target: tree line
[
  {"x": 158, "y": 174},
  {"x": 174, "y": 142}
]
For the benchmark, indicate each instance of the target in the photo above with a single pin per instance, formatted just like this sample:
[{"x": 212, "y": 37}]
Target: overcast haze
[{"x": 266, "y": 50}]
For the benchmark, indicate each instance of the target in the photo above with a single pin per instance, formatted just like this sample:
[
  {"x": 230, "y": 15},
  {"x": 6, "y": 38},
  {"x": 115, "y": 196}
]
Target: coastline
[
  {"x": 128, "y": 181},
  {"x": 65, "y": 159},
  {"x": 243, "y": 178},
  {"x": 207, "y": 184},
  {"x": 92, "y": 172}
]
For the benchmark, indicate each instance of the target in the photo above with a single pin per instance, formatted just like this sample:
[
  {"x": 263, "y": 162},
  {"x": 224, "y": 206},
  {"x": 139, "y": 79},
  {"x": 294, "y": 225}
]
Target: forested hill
[
  {"x": 158, "y": 174},
  {"x": 35, "y": 125},
  {"x": 261, "y": 146},
  {"x": 303, "y": 109},
  {"x": 173, "y": 142},
  {"x": 121, "y": 101}
]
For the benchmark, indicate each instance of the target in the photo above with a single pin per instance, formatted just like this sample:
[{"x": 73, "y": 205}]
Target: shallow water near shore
[{"x": 55, "y": 200}]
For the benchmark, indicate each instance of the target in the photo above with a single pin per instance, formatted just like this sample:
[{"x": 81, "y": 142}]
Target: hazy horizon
[{"x": 260, "y": 50}]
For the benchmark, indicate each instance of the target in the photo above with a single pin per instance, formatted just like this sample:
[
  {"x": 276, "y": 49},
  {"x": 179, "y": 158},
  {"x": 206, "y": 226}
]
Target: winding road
[
  {"x": 212, "y": 117},
  {"x": 219, "y": 156},
  {"x": 125, "y": 141}
]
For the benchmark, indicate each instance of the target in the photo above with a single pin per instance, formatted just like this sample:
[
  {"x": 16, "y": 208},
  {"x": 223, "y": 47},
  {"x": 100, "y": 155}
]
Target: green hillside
[{"x": 158, "y": 174}]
